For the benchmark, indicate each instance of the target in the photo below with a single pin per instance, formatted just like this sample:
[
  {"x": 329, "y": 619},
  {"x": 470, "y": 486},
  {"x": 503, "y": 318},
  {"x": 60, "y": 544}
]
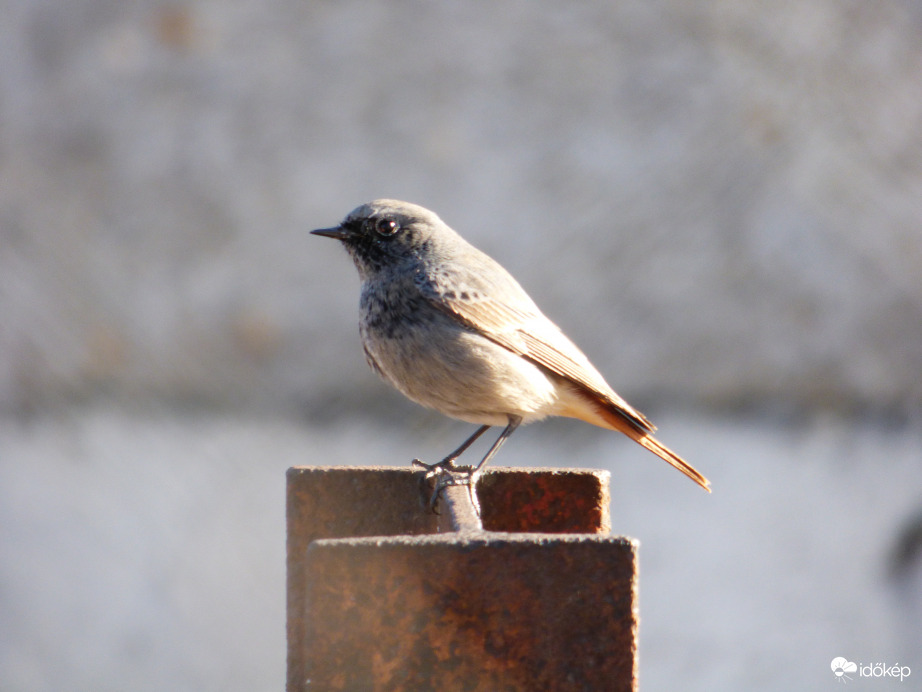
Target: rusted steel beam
[{"x": 378, "y": 599}]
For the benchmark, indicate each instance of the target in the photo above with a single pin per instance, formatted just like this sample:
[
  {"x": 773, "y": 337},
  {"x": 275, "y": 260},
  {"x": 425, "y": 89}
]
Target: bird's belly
[{"x": 442, "y": 365}]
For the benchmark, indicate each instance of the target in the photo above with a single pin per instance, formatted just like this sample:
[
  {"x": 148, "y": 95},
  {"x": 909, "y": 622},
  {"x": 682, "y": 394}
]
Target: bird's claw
[{"x": 446, "y": 475}]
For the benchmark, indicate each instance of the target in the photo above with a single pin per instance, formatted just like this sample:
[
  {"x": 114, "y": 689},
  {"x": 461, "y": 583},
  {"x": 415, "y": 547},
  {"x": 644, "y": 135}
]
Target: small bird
[{"x": 452, "y": 330}]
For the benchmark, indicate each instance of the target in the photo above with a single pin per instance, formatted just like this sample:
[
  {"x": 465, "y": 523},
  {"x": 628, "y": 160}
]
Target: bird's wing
[{"x": 519, "y": 326}]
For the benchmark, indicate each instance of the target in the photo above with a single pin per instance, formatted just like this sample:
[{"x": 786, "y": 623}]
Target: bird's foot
[
  {"x": 445, "y": 474},
  {"x": 447, "y": 464}
]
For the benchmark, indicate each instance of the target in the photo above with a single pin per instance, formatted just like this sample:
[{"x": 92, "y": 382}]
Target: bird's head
[{"x": 389, "y": 234}]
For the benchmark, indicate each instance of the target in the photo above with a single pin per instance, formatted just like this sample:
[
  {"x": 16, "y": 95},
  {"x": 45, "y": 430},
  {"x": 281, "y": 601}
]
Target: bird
[{"x": 452, "y": 330}]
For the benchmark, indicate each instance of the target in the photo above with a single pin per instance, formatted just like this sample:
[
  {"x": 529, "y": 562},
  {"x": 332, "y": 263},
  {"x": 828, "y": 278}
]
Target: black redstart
[{"x": 451, "y": 329}]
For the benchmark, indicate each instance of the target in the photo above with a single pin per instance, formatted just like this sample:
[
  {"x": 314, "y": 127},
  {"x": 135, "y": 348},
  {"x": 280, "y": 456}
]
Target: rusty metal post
[
  {"x": 378, "y": 599},
  {"x": 457, "y": 506}
]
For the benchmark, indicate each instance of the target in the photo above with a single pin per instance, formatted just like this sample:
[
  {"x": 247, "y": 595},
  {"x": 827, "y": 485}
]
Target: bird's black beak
[{"x": 337, "y": 232}]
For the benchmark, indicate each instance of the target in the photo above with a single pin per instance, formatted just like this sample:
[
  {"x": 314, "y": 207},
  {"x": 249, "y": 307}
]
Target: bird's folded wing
[{"x": 528, "y": 333}]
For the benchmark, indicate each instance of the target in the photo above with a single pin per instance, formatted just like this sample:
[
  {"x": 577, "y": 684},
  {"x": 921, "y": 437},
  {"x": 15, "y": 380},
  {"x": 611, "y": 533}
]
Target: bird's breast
[
  {"x": 394, "y": 310},
  {"x": 439, "y": 362}
]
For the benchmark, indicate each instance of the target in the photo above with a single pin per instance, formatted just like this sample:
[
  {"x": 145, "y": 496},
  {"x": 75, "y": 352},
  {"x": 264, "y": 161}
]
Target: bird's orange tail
[
  {"x": 617, "y": 415},
  {"x": 663, "y": 452},
  {"x": 639, "y": 429}
]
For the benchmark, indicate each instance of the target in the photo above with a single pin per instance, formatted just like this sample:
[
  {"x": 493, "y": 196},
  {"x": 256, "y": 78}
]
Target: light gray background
[{"x": 720, "y": 203}]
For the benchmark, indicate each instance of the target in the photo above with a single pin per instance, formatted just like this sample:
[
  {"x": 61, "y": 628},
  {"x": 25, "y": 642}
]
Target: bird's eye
[{"x": 386, "y": 227}]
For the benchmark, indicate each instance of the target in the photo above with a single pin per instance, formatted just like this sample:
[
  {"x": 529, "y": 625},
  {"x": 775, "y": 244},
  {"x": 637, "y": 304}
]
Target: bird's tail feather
[
  {"x": 644, "y": 437},
  {"x": 663, "y": 452}
]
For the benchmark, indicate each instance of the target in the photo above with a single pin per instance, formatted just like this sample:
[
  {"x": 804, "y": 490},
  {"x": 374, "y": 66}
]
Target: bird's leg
[
  {"x": 514, "y": 422},
  {"x": 445, "y": 469},
  {"x": 449, "y": 461}
]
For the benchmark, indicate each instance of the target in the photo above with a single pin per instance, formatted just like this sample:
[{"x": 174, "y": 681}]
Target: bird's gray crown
[
  {"x": 406, "y": 212},
  {"x": 388, "y": 233}
]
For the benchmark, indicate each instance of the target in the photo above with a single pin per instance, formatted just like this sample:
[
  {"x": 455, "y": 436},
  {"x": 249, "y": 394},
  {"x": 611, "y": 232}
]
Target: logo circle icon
[{"x": 840, "y": 666}]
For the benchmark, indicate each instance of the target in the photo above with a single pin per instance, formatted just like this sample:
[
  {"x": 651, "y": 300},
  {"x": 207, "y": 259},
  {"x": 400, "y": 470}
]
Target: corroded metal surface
[
  {"x": 471, "y": 612},
  {"x": 545, "y": 500},
  {"x": 544, "y": 599}
]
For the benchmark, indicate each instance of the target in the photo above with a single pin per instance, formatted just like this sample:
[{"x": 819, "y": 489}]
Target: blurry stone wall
[{"x": 719, "y": 202}]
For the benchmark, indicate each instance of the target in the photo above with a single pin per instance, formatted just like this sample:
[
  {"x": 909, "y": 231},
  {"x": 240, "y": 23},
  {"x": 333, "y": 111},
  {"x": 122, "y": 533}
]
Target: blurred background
[{"x": 721, "y": 204}]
